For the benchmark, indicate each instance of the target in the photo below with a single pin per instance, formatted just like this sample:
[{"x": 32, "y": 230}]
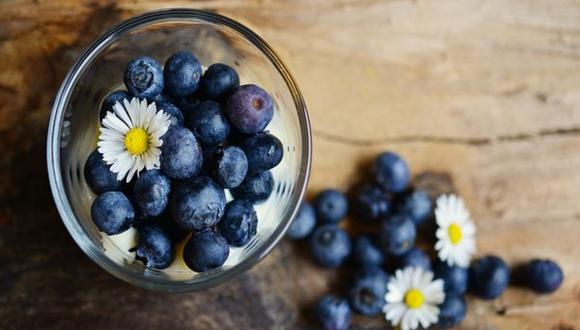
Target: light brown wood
[{"x": 486, "y": 93}]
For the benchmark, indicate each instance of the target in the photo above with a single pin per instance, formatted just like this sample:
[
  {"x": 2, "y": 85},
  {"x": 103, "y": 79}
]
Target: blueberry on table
[
  {"x": 397, "y": 235},
  {"x": 331, "y": 206},
  {"x": 99, "y": 176},
  {"x": 112, "y": 212},
  {"x": 151, "y": 193},
  {"x": 371, "y": 202},
  {"x": 181, "y": 155},
  {"x": 182, "y": 73},
  {"x": 303, "y": 223},
  {"x": 391, "y": 172},
  {"x": 205, "y": 251},
  {"x": 333, "y": 313},
  {"x": 330, "y": 246},
  {"x": 255, "y": 188},
  {"x": 173, "y": 112},
  {"x": 264, "y": 151},
  {"x": 367, "y": 292},
  {"x": 231, "y": 167},
  {"x": 416, "y": 204},
  {"x": 110, "y": 100},
  {"x": 144, "y": 77},
  {"x": 415, "y": 257},
  {"x": 455, "y": 278},
  {"x": 366, "y": 252},
  {"x": 239, "y": 223},
  {"x": 208, "y": 122},
  {"x": 250, "y": 109},
  {"x": 218, "y": 82},
  {"x": 452, "y": 311},
  {"x": 489, "y": 277},
  {"x": 543, "y": 276},
  {"x": 154, "y": 247},
  {"x": 197, "y": 204}
]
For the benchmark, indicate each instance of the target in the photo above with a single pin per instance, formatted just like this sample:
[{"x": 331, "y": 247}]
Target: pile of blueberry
[
  {"x": 216, "y": 141},
  {"x": 393, "y": 213}
]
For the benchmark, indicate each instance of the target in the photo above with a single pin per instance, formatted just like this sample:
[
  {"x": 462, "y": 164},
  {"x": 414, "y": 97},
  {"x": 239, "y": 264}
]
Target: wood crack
[{"x": 465, "y": 141}]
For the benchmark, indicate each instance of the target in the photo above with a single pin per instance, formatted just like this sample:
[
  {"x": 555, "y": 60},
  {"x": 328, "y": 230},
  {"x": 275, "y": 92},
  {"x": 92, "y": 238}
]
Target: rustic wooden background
[{"x": 482, "y": 96}]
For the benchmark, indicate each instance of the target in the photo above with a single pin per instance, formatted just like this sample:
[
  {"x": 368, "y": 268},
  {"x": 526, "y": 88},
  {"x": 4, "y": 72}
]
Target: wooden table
[{"x": 481, "y": 96}]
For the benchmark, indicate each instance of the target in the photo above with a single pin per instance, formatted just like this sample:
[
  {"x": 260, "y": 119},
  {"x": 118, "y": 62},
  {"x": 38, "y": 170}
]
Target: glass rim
[{"x": 53, "y": 148}]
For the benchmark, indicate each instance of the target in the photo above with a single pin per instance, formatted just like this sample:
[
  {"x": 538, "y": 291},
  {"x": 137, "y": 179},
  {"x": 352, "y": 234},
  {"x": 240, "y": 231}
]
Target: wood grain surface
[{"x": 481, "y": 96}]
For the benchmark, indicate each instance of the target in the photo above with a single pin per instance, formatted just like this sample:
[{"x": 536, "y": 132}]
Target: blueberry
[
  {"x": 397, "y": 235},
  {"x": 151, "y": 193},
  {"x": 415, "y": 257},
  {"x": 197, "y": 204},
  {"x": 366, "y": 253},
  {"x": 231, "y": 167},
  {"x": 218, "y": 82},
  {"x": 174, "y": 113},
  {"x": 264, "y": 152},
  {"x": 489, "y": 277},
  {"x": 154, "y": 247},
  {"x": 187, "y": 105},
  {"x": 371, "y": 202},
  {"x": 455, "y": 278},
  {"x": 416, "y": 204},
  {"x": 112, "y": 212},
  {"x": 250, "y": 109},
  {"x": 331, "y": 206},
  {"x": 205, "y": 250},
  {"x": 391, "y": 172},
  {"x": 452, "y": 311},
  {"x": 367, "y": 293},
  {"x": 144, "y": 77},
  {"x": 209, "y": 159},
  {"x": 543, "y": 276},
  {"x": 182, "y": 72},
  {"x": 256, "y": 187},
  {"x": 99, "y": 176},
  {"x": 236, "y": 137},
  {"x": 110, "y": 100},
  {"x": 208, "y": 123},
  {"x": 330, "y": 246},
  {"x": 239, "y": 223},
  {"x": 181, "y": 156},
  {"x": 176, "y": 233},
  {"x": 303, "y": 223},
  {"x": 162, "y": 97},
  {"x": 333, "y": 313}
]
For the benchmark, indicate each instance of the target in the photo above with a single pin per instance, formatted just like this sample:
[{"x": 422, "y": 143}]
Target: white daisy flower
[
  {"x": 456, "y": 232},
  {"x": 131, "y": 136},
  {"x": 412, "y": 298}
]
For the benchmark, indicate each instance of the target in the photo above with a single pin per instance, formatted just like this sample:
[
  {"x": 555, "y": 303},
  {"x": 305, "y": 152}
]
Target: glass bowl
[{"x": 73, "y": 130}]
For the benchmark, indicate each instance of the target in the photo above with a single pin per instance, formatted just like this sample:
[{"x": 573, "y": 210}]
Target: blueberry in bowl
[{"x": 141, "y": 83}]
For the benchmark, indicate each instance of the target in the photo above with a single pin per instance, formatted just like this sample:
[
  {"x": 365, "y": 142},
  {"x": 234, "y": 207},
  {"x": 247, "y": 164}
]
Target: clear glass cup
[{"x": 73, "y": 131}]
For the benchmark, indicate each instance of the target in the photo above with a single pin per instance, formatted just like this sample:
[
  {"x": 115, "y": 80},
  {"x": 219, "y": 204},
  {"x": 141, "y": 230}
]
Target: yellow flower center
[
  {"x": 414, "y": 299},
  {"x": 455, "y": 233},
  {"x": 136, "y": 141}
]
